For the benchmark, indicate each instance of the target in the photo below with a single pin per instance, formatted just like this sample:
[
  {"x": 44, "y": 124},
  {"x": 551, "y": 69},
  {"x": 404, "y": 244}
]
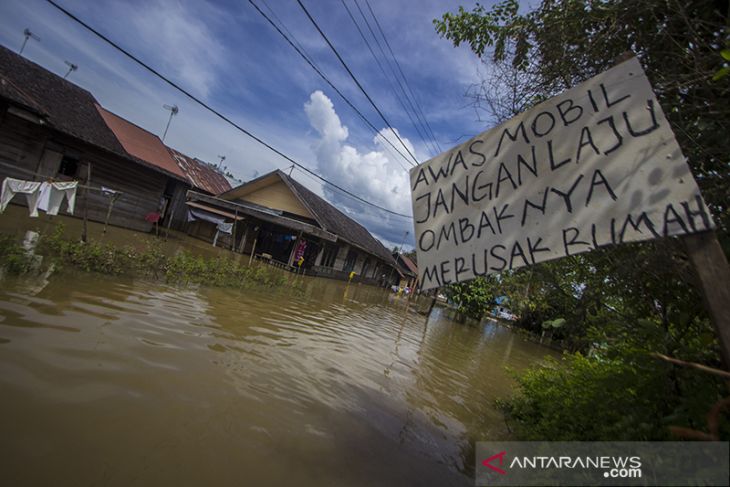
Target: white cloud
[{"x": 371, "y": 174}]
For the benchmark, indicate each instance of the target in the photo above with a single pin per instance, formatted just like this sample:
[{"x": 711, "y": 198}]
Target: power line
[
  {"x": 385, "y": 75},
  {"x": 215, "y": 112},
  {"x": 390, "y": 67},
  {"x": 291, "y": 34},
  {"x": 354, "y": 78},
  {"x": 309, "y": 61},
  {"x": 425, "y": 120}
]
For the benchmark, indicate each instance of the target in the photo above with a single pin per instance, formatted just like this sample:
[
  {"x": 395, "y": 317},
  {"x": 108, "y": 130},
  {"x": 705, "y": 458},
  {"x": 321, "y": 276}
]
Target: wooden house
[
  {"x": 51, "y": 128},
  {"x": 281, "y": 221},
  {"x": 408, "y": 270}
]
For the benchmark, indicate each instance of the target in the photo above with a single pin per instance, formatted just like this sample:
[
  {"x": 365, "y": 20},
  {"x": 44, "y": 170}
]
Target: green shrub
[
  {"x": 150, "y": 262},
  {"x": 629, "y": 398}
]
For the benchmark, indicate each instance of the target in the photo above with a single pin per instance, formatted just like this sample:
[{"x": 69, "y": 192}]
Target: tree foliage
[{"x": 635, "y": 299}]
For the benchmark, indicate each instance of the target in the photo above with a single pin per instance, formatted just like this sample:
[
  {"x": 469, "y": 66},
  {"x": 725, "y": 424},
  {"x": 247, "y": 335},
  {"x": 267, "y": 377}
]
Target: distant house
[
  {"x": 188, "y": 173},
  {"x": 52, "y": 128},
  {"x": 408, "y": 270},
  {"x": 280, "y": 220}
]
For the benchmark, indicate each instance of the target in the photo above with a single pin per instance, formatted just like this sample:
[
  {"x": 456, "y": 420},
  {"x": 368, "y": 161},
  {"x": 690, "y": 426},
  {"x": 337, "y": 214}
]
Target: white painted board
[{"x": 597, "y": 165}]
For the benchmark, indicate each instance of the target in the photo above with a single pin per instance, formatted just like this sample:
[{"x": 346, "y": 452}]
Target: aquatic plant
[{"x": 149, "y": 262}]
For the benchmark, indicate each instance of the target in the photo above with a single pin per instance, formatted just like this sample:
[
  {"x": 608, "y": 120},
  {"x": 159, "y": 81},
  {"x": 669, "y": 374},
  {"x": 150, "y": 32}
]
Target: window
[
  {"x": 329, "y": 256},
  {"x": 69, "y": 166},
  {"x": 350, "y": 261}
]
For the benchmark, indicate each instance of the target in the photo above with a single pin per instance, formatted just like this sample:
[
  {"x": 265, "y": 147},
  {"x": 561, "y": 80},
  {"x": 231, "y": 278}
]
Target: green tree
[
  {"x": 475, "y": 297},
  {"x": 624, "y": 303}
]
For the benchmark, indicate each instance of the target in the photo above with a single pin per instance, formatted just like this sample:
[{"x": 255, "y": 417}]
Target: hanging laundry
[
  {"x": 110, "y": 193},
  {"x": 225, "y": 227},
  {"x": 301, "y": 247},
  {"x": 222, "y": 227},
  {"x": 12, "y": 186},
  {"x": 52, "y": 195}
]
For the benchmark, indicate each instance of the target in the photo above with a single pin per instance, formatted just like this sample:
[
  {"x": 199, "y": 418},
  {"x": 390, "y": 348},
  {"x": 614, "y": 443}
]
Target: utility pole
[
  {"x": 173, "y": 111},
  {"x": 28, "y": 35}
]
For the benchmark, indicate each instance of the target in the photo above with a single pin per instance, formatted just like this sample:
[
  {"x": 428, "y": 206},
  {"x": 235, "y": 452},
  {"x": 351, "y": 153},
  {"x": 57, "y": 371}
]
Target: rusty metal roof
[
  {"x": 140, "y": 143},
  {"x": 200, "y": 174},
  {"x": 408, "y": 263}
]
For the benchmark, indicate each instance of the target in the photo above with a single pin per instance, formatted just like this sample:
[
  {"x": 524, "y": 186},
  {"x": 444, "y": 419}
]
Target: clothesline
[{"x": 36, "y": 175}]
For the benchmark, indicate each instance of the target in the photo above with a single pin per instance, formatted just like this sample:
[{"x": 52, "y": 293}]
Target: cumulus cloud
[{"x": 372, "y": 174}]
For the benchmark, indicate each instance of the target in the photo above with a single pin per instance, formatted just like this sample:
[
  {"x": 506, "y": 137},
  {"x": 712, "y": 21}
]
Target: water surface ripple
[{"x": 115, "y": 382}]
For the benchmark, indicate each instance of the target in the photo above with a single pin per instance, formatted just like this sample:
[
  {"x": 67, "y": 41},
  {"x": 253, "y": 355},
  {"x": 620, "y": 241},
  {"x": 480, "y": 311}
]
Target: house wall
[
  {"x": 280, "y": 197},
  {"x": 35, "y": 148},
  {"x": 178, "y": 210},
  {"x": 341, "y": 256}
]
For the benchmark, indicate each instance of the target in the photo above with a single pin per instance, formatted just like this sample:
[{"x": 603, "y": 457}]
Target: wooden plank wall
[{"x": 23, "y": 143}]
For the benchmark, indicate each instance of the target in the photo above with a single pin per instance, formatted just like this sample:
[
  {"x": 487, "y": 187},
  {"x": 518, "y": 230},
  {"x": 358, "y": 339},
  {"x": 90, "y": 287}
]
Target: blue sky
[{"x": 226, "y": 54}]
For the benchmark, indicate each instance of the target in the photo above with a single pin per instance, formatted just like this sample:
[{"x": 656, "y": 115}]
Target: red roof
[
  {"x": 141, "y": 143},
  {"x": 201, "y": 175}
]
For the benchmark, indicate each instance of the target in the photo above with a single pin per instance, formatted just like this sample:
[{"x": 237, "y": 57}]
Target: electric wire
[
  {"x": 394, "y": 74},
  {"x": 215, "y": 112},
  {"x": 357, "y": 82},
  {"x": 425, "y": 120},
  {"x": 387, "y": 78},
  {"x": 304, "y": 56}
]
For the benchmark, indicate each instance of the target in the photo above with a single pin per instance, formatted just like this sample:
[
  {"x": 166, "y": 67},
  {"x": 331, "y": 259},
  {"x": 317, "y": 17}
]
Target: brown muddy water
[{"x": 122, "y": 383}]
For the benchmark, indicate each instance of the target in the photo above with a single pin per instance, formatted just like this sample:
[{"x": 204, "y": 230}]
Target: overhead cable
[
  {"x": 214, "y": 111},
  {"x": 357, "y": 82},
  {"x": 311, "y": 63}
]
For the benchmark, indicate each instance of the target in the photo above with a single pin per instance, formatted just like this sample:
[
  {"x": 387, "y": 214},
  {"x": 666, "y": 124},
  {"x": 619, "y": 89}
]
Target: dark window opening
[
  {"x": 330, "y": 255},
  {"x": 69, "y": 166},
  {"x": 350, "y": 261}
]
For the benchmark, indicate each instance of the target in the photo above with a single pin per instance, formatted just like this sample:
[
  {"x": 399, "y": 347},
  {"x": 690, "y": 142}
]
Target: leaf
[
  {"x": 725, "y": 53},
  {"x": 721, "y": 73}
]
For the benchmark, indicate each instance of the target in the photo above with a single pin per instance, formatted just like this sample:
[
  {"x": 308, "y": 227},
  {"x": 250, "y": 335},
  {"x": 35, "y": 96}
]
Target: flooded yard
[{"x": 120, "y": 382}]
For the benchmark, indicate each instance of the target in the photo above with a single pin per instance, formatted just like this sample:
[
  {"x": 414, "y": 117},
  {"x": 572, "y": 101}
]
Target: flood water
[{"x": 123, "y": 383}]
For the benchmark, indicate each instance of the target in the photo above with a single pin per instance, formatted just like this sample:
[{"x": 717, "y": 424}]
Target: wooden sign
[{"x": 597, "y": 165}]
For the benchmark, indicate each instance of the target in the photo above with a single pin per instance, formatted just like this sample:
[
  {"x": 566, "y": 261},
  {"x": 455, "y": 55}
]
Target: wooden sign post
[
  {"x": 597, "y": 165},
  {"x": 712, "y": 269}
]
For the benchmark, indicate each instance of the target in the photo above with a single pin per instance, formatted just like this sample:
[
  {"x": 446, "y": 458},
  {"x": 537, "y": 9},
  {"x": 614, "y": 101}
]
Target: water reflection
[{"x": 117, "y": 382}]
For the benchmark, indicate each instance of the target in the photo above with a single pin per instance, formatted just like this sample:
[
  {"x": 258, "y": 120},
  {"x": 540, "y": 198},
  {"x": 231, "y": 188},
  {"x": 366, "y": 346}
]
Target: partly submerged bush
[
  {"x": 630, "y": 398},
  {"x": 13, "y": 257},
  {"x": 150, "y": 262}
]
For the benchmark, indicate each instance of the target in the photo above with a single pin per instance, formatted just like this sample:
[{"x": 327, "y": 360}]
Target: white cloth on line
[
  {"x": 225, "y": 227},
  {"x": 222, "y": 227},
  {"x": 52, "y": 195},
  {"x": 12, "y": 186},
  {"x": 196, "y": 214}
]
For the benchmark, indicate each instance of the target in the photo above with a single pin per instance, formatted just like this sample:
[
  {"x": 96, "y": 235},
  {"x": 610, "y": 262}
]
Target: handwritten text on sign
[{"x": 597, "y": 165}]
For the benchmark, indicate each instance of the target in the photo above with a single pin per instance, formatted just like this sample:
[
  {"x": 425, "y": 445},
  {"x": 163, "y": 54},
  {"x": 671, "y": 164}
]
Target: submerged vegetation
[
  {"x": 150, "y": 262},
  {"x": 619, "y": 309}
]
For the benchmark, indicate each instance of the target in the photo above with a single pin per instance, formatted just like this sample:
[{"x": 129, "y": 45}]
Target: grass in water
[{"x": 149, "y": 262}]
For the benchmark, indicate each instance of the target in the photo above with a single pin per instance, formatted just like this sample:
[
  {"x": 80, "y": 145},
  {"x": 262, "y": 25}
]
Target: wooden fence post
[
  {"x": 84, "y": 231},
  {"x": 711, "y": 265}
]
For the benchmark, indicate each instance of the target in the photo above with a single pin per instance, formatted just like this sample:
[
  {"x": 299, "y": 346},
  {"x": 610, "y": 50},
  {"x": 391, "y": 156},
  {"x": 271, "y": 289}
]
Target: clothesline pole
[
  {"x": 169, "y": 223},
  {"x": 242, "y": 247},
  {"x": 253, "y": 250},
  {"x": 108, "y": 214},
  {"x": 84, "y": 232}
]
